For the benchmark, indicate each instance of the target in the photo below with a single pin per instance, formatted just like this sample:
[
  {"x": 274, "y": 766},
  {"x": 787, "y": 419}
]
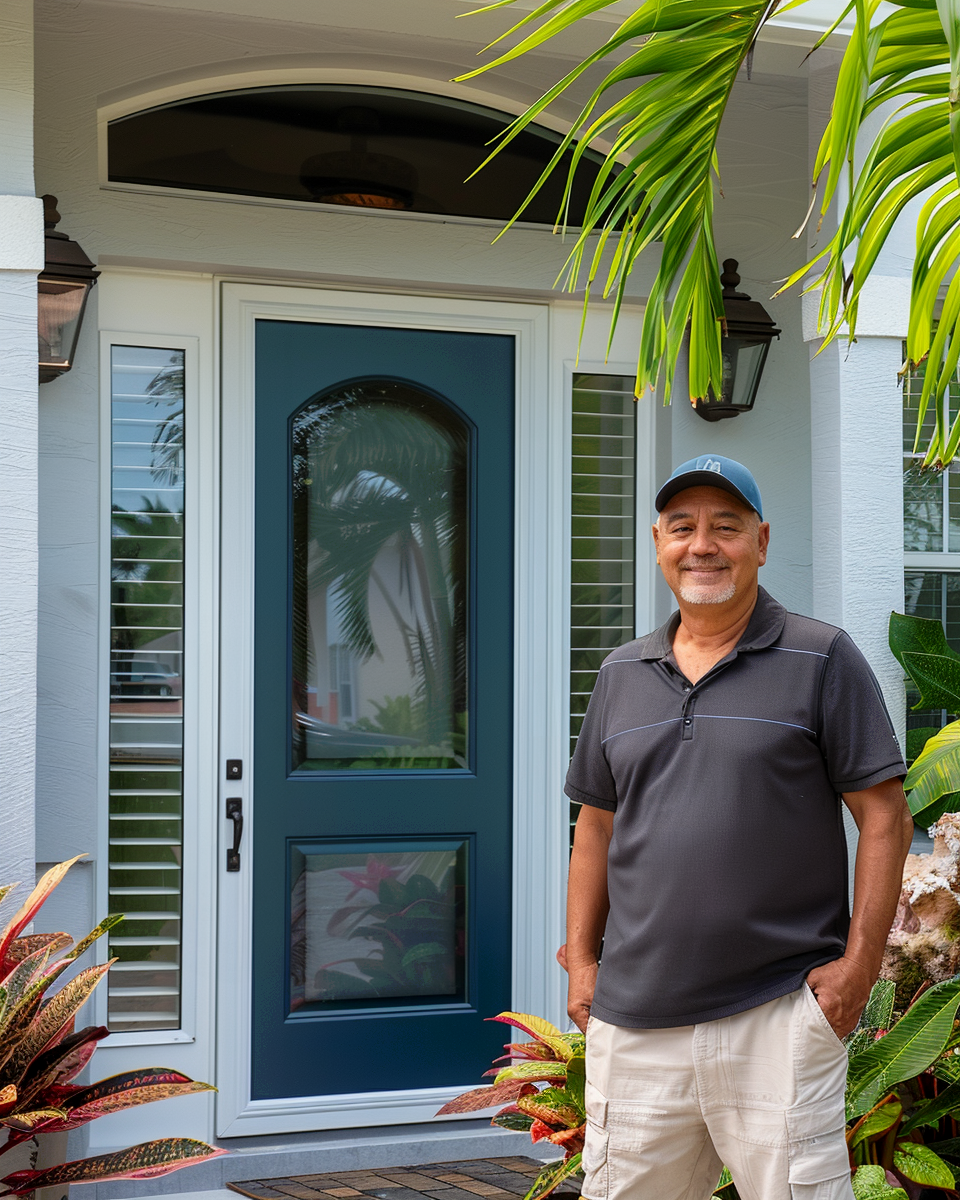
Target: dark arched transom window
[{"x": 359, "y": 146}]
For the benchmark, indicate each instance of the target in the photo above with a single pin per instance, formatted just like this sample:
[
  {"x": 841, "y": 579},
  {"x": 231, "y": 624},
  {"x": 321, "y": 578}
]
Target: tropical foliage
[
  {"x": 902, "y": 1100},
  {"x": 42, "y": 1052},
  {"x": 933, "y": 781},
  {"x": 678, "y": 60},
  {"x": 554, "y": 1111}
]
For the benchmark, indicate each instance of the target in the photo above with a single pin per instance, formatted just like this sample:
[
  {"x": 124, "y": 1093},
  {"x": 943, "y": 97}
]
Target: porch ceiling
[{"x": 798, "y": 26}]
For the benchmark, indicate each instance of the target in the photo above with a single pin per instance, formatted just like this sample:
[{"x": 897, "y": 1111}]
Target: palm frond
[
  {"x": 897, "y": 62},
  {"x": 658, "y": 178}
]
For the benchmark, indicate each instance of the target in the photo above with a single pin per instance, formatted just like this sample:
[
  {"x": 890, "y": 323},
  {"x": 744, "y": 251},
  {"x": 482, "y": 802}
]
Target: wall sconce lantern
[
  {"x": 743, "y": 346},
  {"x": 63, "y": 285}
]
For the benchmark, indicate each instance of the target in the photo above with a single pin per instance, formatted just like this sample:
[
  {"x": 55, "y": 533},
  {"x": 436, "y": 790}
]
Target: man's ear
[
  {"x": 656, "y": 540},
  {"x": 763, "y": 535}
]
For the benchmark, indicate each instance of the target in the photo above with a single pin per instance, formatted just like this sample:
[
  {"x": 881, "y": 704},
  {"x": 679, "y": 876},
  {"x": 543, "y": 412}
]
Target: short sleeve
[
  {"x": 589, "y": 780},
  {"x": 857, "y": 738}
]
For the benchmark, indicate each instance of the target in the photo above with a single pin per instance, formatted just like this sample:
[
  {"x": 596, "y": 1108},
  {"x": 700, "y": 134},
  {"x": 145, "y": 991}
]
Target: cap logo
[{"x": 710, "y": 464}]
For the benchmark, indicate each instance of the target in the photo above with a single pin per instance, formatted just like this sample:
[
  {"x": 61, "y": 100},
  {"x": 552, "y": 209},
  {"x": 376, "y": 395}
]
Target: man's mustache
[{"x": 699, "y": 564}]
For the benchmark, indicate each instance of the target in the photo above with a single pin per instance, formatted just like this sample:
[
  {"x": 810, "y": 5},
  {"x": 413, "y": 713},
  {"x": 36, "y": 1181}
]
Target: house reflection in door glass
[
  {"x": 377, "y": 925},
  {"x": 380, "y": 553}
]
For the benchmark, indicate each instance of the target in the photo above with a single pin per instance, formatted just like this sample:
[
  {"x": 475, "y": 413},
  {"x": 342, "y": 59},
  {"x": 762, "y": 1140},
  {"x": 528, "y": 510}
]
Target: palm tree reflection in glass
[{"x": 379, "y": 580}]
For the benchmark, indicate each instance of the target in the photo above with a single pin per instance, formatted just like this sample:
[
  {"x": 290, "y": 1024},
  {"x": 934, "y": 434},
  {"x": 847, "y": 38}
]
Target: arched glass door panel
[{"x": 380, "y": 563}]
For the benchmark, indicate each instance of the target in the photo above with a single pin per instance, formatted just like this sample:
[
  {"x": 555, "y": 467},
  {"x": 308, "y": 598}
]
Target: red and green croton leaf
[
  {"x": 124, "y": 1091},
  {"x": 48, "y": 1026},
  {"x": 537, "y": 1027},
  {"x": 486, "y": 1097},
  {"x": 533, "y": 1072},
  {"x": 513, "y": 1117},
  {"x": 553, "y": 1175},
  {"x": 30, "y": 907},
  {"x": 139, "y": 1162}
]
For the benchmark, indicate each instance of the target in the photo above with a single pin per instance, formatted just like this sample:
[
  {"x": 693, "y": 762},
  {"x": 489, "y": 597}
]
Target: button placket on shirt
[{"x": 686, "y": 713}]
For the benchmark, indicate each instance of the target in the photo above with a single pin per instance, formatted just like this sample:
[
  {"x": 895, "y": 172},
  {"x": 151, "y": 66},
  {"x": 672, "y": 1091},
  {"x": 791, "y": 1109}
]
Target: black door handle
[{"x": 235, "y": 814}]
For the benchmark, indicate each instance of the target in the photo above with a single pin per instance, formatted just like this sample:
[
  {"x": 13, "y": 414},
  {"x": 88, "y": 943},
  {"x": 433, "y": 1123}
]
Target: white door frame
[{"x": 539, "y": 817}]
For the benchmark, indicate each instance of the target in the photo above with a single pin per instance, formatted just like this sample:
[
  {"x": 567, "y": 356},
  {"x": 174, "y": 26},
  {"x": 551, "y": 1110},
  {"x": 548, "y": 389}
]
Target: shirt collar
[{"x": 763, "y": 629}]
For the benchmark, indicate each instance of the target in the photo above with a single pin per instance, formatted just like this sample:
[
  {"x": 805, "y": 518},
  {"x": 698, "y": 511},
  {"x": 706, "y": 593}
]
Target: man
[{"x": 709, "y": 858}]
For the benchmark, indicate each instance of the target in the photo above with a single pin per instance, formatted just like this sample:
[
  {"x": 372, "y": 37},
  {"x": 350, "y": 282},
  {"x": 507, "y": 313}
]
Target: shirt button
[
  {"x": 686, "y": 687},
  {"x": 688, "y": 721}
]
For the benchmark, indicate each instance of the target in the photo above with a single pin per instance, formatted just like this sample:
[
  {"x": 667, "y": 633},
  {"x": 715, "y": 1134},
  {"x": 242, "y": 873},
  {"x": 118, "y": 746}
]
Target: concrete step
[{"x": 331, "y": 1150}]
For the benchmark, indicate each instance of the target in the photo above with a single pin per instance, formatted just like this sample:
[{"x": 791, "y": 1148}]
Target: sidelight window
[
  {"x": 146, "y": 686},
  {"x": 602, "y": 531}
]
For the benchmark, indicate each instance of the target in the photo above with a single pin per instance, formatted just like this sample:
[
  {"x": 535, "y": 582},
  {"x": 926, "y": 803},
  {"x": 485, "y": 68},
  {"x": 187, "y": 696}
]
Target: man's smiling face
[{"x": 710, "y": 546}]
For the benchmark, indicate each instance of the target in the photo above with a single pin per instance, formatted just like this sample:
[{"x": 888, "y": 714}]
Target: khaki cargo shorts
[{"x": 761, "y": 1091}]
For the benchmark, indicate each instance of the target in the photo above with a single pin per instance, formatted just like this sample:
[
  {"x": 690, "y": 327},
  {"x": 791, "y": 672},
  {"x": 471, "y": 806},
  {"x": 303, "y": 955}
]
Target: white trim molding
[{"x": 539, "y": 679}]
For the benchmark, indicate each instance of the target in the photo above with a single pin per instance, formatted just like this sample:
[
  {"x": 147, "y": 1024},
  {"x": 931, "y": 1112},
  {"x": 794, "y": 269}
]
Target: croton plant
[
  {"x": 42, "y": 1053},
  {"x": 554, "y": 1112},
  {"x": 902, "y": 1098}
]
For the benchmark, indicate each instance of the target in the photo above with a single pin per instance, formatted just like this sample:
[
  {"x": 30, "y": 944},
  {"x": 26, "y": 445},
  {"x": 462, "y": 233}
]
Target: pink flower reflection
[{"x": 370, "y": 880}]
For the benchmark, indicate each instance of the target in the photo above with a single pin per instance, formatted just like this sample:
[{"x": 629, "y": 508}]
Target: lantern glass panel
[
  {"x": 60, "y": 311},
  {"x": 743, "y": 360}
]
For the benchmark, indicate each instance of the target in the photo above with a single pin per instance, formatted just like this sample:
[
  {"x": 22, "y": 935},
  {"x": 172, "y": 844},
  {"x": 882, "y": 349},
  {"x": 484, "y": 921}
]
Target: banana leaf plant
[
  {"x": 933, "y": 781},
  {"x": 42, "y": 1053},
  {"x": 671, "y": 66},
  {"x": 554, "y": 1112}
]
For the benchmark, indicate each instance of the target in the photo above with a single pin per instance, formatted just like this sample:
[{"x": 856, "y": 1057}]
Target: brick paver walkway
[{"x": 491, "y": 1178}]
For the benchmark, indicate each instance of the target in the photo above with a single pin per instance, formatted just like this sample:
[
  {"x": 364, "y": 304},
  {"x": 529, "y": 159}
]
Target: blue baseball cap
[{"x": 713, "y": 470}]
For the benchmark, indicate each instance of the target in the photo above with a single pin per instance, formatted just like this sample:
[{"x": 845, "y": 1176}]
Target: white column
[
  {"x": 857, "y": 484},
  {"x": 856, "y": 431},
  {"x": 856, "y": 434},
  {"x": 21, "y": 257}
]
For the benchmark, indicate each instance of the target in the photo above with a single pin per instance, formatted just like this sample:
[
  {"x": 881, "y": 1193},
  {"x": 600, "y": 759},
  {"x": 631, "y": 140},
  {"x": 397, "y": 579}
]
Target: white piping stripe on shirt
[
  {"x": 790, "y": 650},
  {"x": 705, "y": 717},
  {"x": 613, "y": 662},
  {"x": 638, "y": 728},
  {"x": 763, "y": 720}
]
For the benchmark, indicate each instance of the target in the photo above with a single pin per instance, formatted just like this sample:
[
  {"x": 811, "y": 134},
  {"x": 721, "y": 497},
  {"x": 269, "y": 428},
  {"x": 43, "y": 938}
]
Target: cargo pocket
[
  {"x": 819, "y": 1167},
  {"x": 596, "y": 1162}
]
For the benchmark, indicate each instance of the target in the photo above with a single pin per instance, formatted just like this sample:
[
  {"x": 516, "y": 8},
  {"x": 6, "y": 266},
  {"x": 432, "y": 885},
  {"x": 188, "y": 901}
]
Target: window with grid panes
[
  {"x": 146, "y": 686},
  {"x": 931, "y": 542},
  {"x": 602, "y": 532}
]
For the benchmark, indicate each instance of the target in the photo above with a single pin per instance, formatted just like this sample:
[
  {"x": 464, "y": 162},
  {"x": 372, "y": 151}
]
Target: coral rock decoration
[
  {"x": 924, "y": 943},
  {"x": 554, "y": 1113},
  {"x": 41, "y": 1052}
]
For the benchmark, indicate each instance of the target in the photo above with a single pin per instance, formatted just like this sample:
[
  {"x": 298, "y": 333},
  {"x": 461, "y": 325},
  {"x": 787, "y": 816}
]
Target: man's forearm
[
  {"x": 587, "y": 906},
  {"x": 885, "y": 834},
  {"x": 842, "y": 987}
]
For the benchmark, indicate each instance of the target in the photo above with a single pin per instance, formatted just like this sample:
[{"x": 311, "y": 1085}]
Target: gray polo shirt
[{"x": 727, "y": 869}]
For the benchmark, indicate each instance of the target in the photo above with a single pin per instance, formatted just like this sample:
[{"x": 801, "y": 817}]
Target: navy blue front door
[{"x": 383, "y": 706}]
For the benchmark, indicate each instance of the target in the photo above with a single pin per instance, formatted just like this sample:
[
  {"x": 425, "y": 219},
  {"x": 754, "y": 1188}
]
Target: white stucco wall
[{"x": 21, "y": 257}]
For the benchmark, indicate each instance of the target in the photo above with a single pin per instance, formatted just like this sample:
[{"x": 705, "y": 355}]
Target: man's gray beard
[{"x": 704, "y": 594}]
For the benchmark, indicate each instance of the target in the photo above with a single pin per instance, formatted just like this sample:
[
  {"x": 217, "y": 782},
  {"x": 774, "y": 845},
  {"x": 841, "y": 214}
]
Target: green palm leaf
[
  {"x": 658, "y": 180},
  {"x": 897, "y": 61}
]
